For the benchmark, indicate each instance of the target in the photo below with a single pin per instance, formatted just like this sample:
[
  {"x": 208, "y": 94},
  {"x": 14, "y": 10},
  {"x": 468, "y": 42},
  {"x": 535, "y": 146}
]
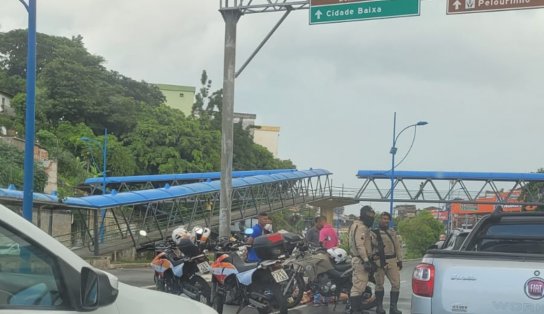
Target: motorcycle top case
[
  {"x": 188, "y": 248},
  {"x": 269, "y": 246}
]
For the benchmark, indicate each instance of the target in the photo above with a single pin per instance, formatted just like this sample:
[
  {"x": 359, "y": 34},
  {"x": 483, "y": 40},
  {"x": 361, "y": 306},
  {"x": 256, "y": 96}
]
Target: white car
[{"x": 46, "y": 277}]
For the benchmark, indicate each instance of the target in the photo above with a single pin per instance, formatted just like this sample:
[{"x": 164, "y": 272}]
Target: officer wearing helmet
[
  {"x": 360, "y": 248},
  {"x": 387, "y": 254}
]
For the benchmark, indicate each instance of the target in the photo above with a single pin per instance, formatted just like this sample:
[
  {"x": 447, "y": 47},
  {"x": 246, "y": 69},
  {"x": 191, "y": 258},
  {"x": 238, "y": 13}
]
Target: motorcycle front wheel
[
  {"x": 295, "y": 291},
  {"x": 204, "y": 289},
  {"x": 218, "y": 298},
  {"x": 159, "y": 282}
]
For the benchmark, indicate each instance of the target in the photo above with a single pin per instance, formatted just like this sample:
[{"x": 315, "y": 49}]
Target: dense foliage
[
  {"x": 419, "y": 233},
  {"x": 76, "y": 96},
  {"x": 11, "y": 171}
]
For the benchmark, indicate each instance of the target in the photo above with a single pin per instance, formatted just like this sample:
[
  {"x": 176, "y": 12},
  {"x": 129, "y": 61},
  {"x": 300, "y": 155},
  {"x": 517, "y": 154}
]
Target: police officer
[
  {"x": 387, "y": 255},
  {"x": 360, "y": 249}
]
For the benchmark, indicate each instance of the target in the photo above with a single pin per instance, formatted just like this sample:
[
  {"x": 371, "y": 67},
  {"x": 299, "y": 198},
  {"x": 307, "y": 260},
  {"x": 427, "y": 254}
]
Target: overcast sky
[{"x": 333, "y": 88}]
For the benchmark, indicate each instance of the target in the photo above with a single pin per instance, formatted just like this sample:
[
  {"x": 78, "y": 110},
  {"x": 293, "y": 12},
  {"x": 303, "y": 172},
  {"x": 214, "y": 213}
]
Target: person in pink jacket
[{"x": 327, "y": 236}]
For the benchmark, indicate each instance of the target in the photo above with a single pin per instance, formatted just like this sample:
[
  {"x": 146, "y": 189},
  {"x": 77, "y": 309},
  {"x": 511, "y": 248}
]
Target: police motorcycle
[
  {"x": 254, "y": 284},
  {"x": 163, "y": 264},
  {"x": 329, "y": 275},
  {"x": 185, "y": 272},
  {"x": 293, "y": 289}
]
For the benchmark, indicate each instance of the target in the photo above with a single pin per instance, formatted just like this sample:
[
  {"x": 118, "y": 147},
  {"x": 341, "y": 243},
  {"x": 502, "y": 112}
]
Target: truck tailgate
[{"x": 481, "y": 285}]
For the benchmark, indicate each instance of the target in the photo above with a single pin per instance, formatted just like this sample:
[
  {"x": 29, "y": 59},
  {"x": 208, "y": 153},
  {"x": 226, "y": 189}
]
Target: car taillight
[{"x": 423, "y": 280}]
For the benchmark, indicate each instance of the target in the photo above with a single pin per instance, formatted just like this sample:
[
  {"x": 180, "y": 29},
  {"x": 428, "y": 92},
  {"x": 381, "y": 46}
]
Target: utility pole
[
  {"x": 231, "y": 18},
  {"x": 232, "y": 10}
]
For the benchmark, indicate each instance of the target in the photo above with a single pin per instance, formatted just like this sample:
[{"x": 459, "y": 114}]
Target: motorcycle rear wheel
[{"x": 278, "y": 299}]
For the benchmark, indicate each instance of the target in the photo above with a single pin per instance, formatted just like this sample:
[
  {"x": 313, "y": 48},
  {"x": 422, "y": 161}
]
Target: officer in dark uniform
[{"x": 387, "y": 255}]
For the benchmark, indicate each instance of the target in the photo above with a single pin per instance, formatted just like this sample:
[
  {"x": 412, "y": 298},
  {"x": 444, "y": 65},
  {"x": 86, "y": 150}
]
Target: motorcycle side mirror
[
  {"x": 248, "y": 231},
  {"x": 143, "y": 233}
]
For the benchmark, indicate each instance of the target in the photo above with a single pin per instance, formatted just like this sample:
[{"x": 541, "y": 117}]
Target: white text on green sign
[{"x": 365, "y": 10}]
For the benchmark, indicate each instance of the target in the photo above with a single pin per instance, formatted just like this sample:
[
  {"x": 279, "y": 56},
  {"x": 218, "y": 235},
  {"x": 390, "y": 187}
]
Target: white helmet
[
  {"x": 180, "y": 233},
  {"x": 339, "y": 255},
  {"x": 196, "y": 233}
]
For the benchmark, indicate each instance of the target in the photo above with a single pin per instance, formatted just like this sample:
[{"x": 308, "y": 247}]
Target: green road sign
[{"x": 333, "y": 11}]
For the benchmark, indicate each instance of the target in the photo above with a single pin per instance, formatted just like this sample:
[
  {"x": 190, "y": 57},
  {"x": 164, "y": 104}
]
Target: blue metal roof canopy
[
  {"x": 203, "y": 176},
  {"x": 171, "y": 192},
  {"x": 448, "y": 175}
]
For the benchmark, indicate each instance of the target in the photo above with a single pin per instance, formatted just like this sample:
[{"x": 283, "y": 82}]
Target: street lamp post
[
  {"x": 393, "y": 152},
  {"x": 104, "y": 169},
  {"x": 30, "y": 119}
]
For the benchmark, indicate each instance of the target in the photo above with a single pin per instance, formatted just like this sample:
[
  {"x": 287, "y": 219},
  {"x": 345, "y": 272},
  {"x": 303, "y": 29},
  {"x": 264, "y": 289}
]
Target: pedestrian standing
[
  {"x": 327, "y": 235},
  {"x": 312, "y": 235},
  {"x": 387, "y": 255}
]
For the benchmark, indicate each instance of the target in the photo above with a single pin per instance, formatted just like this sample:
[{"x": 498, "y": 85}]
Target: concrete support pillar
[{"x": 328, "y": 212}]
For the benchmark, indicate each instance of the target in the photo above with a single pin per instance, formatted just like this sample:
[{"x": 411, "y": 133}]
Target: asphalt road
[{"x": 143, "y": 277}]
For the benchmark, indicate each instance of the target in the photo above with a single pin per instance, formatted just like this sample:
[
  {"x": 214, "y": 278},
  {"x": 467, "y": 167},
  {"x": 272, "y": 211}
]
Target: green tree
[
  {"x": 533, "y": 192},
  {"x": 419, "y": 233}
]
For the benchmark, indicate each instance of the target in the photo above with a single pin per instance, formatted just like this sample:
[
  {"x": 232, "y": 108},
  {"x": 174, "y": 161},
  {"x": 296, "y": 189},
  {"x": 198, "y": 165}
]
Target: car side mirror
[
  {"x": 96, "y": 289},
  {"x": 433, "y": 247}
]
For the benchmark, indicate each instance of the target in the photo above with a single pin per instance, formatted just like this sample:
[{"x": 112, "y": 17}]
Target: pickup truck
[
  {"x": 499, "y": 268},
  {"x": 40, "y": 275}
]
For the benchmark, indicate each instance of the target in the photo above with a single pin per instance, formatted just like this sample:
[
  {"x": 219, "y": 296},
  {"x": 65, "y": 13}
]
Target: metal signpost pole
[
  {"x": 28, "y": 179},
  {"x": 232, "y": 10}
]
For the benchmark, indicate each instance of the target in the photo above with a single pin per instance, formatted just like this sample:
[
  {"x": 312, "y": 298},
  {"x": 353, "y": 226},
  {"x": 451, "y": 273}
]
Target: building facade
[
  {"x": 178, "y": 96},
  {"x": 267, "y": 136},
  {"x": 5, "y": 104}
]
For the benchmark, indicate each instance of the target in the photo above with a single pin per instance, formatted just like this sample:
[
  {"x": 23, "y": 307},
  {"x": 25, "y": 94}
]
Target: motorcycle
[
  {"x": 256, "y": 284},
  {"x": 164, "y": 264},
  {"x": 328, "y": 275},
  {"x": 180, "y": 274}
]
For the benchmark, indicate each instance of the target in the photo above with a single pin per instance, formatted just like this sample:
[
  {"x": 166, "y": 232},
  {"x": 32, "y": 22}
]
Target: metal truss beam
[
  {"x": 378, "y": 189},
  {"x": 263, "y": 6}
]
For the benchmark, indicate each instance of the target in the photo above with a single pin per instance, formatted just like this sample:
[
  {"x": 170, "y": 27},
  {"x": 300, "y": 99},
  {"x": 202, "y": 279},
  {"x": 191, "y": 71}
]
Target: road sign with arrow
[
  {"x": 476, "y": 6},
  {"x": 333, "y": 11}
]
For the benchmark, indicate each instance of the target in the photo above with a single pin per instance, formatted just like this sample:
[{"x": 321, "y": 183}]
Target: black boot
[
  {"x": 379, "y": 302},
  {"x": 393, "y": 304},
  {"x": 356, "y": 305}
]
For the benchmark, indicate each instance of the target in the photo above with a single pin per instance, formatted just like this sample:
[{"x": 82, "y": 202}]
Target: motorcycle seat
[
  {"x": 242, "y": 266},
  {"x": 342, "y": 267}
]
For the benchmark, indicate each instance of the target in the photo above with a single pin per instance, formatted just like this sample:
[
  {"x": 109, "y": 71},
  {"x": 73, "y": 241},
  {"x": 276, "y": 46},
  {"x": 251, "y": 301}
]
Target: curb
[{"x": 128, "y": 265}]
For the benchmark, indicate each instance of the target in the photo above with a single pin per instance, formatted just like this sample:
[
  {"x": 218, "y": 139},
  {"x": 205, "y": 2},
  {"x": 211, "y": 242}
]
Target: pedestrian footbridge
[{"x": 104, "y": 223}]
